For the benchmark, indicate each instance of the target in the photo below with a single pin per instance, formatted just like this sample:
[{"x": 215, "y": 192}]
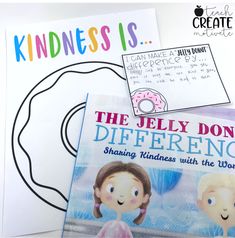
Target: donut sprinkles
[{"x": 148, "y": 101}]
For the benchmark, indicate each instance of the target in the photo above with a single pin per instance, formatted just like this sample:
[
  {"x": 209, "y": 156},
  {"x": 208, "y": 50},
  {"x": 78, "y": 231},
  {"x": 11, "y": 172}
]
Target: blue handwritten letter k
[{"x": 17, "y": 48}]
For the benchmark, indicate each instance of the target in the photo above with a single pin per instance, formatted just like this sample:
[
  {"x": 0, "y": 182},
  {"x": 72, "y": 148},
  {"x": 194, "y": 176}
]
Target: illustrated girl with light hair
[
  {"x": 123, "y": 187},
  {"x": 216, "y": 197}
]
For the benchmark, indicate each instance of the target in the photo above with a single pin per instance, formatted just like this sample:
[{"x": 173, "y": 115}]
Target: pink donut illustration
[{"x": 148, "y": 101}]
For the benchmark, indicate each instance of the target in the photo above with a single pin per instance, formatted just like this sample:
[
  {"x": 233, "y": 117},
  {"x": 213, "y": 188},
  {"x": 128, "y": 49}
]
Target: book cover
[
  {"x": 50, "y": 68},
  {"x": 170, "y": 175}
]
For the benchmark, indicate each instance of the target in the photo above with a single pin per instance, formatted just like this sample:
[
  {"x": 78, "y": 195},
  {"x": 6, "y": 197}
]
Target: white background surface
[{"x": 175, "y": 27}]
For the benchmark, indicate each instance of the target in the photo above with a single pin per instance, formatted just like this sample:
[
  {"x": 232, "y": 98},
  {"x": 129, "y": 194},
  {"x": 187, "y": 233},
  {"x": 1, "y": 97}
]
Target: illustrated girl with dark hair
[{"x": 123, "y": 187}]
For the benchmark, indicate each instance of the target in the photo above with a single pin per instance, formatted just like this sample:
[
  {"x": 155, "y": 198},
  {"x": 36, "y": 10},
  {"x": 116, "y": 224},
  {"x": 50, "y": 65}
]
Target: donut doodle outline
[
  {"x": 140, "y": 95},
  {"x": 18, "y": 141}
]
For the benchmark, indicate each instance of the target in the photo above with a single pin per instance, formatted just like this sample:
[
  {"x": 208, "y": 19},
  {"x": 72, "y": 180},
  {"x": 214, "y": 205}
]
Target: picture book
[
  {"x": 173, "y": 79},
  {"x": 163, "y": 176},
  {"x": 50, "y": 68}
]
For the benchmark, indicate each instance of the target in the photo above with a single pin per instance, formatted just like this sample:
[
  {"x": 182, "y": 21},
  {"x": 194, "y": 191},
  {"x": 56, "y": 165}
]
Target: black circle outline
[
  {"x": 64, "y": 128},
  {"x": 18, "y": 139}
]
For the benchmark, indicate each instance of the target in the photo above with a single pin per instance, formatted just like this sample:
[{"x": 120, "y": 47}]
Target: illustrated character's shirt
[{"x": 115, "y": 229}]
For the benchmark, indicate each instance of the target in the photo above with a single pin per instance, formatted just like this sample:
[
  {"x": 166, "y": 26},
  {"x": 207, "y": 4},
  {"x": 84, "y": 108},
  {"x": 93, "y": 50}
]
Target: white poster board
[{"x": 50, "y": 68}]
